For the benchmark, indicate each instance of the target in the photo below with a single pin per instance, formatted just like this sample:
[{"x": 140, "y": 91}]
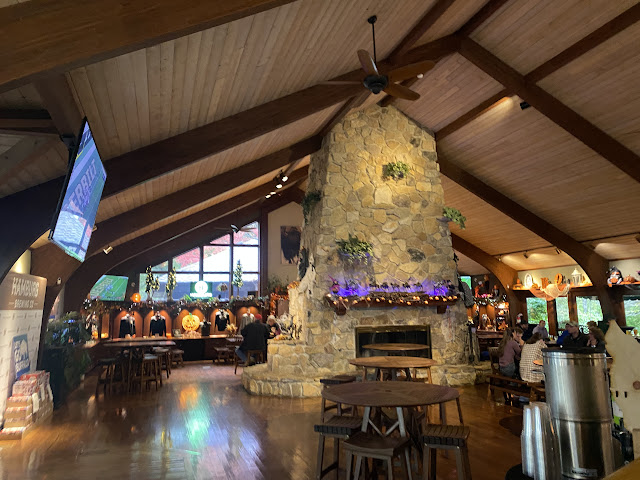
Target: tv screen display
[
  {"x": 110, "y": 288},
  {"x": 466, "y": 279},
  {"x": 81, "y": 196}
]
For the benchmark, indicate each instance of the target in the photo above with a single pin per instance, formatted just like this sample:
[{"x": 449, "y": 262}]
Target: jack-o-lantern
[{"x": 190, "y": 323}]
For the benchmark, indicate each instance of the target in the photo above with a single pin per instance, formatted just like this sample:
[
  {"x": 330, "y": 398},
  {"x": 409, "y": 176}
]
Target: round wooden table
[
  {"x": 398, "y": 348},
  {"x": 393, "y": 364}
]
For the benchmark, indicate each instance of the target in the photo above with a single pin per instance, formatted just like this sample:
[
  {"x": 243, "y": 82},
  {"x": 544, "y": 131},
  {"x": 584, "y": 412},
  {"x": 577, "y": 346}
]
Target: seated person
[
  {"x": 596, "y": 339},
  {"x": 254, "y": 337},
  {"x": 542, "y": 330},
  {"x": 272, "y": 325},
  {"x": 509, "y": 351},
  {"x": 532, "y": 350},
  {"x": 563, "y": 335},
  {"x": 575, "y": 339}
]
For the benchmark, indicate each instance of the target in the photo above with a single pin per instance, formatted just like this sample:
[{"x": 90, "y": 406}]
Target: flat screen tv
[
  {"x": 110, "y": 288},
  {"x": 80, "y": 197}
]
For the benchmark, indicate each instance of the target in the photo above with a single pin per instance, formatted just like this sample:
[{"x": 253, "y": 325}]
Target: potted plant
[
  {"x": 308, "y": 202},
  {"x": 354, "y": 251},
  {"x": 454, "y": 215},
  {"x": 395, "y": 170}
]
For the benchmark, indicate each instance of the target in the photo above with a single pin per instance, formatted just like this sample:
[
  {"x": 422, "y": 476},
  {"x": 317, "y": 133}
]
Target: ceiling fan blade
[
  {"x": 340, "y": 82},
  {"x": 368, "y": 65},
  {"x": 401, "y": 91},
  {"x": 410, "y": 71}
]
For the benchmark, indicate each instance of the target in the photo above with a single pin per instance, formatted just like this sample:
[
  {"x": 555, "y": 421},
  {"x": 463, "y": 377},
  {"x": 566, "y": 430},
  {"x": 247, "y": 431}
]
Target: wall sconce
[{"x": 107, "y": 249}]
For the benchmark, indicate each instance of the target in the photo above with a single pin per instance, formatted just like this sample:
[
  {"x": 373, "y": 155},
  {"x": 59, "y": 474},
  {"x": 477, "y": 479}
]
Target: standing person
[
  {"x": 542, "y": 330},
  {"x": 254, "y": 337},
  {"x": 531, "y": 350},
  {"x": 509, "y": 351},
  {"x": 575, "y": 339},
  {"x": 596, "y": 339}
]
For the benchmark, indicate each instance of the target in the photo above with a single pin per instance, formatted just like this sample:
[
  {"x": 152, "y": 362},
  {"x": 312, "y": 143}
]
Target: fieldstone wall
[{"x": 410, "y": 244}]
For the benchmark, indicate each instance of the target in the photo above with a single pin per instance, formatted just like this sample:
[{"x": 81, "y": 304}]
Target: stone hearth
[{"x": 410, "y": 244}]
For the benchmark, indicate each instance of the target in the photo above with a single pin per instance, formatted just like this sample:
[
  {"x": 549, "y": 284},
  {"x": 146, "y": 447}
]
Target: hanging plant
[
  {"x": 454, "y": 215},
  {"x": 354, "y": 251},
  {"x": 171, "y": 283},
  {"x": 395, "y": 170},
  {"x": 237, "y": 276},
  {"x": 308, "y": 202}
]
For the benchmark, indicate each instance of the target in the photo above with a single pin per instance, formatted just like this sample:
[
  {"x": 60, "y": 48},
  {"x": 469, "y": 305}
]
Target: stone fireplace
[
  {"x": 418, "y": 334},
  {"x": 411, "y": 246}
]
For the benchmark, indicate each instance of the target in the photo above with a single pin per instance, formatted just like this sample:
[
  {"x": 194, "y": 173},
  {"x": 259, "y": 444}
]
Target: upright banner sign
[{"x": 21, "y": 304}]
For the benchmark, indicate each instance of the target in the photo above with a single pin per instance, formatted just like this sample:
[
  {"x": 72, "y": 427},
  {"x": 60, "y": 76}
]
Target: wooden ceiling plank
[
  {"x": 472, "y": 114},
  {"x": 610, "y": 149},
  {"x": 152, "y": 212},
  {"x": 25, "y": 152},
  {"x": 595, "y": 38},
  {"x": 491, "y": 7},
  {"x": 42, "y": 37}
]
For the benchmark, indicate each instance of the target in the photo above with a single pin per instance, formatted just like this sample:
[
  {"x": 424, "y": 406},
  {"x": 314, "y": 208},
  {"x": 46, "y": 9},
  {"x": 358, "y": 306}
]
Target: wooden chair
[
  {"x": 370, "y": 445},
  {"x": 257, "y": 354},
  {"x": 445, "y": 437},
  {"x": 108, "y": 367}
]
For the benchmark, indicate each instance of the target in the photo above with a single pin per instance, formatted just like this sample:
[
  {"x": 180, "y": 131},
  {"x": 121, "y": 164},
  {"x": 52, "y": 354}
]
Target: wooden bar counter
[{"x": 200, "y": 348}]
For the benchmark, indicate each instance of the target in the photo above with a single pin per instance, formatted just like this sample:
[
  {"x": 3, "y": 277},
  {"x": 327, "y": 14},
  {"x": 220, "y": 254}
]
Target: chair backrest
[{"x": 495, "y": 360}]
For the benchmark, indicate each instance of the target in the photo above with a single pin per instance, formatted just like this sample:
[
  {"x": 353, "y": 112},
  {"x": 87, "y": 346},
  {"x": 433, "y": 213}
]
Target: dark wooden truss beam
[
  {"x": 26, "y": 122},
  {"x": 43, "y": 37},
  {"x": 472, "y": 114}
]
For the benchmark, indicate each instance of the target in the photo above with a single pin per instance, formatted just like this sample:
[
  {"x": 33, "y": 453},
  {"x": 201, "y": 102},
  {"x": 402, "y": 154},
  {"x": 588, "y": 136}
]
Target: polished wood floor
[{"x": 202, "y": 425}]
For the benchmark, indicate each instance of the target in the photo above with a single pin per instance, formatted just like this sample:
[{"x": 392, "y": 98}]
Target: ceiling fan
[{"x": 376, "y": 82}]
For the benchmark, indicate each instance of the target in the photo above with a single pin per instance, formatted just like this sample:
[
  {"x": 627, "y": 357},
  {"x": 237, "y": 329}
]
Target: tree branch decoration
[
  {"x": 454, "y": 215},
  {"x": 395, "y": 170},
  {"x": 152, "y": 283},
  {"x": 354, "y": 251},
  {"x": 237, "y": 276},
  {"x": 308, "y": 202},
  {"x": 171, "y": 283}
]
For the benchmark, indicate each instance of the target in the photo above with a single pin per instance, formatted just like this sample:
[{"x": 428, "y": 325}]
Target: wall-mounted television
[
  {"x": 80, "y": 197},
  {"x": 110, "y": 288}
]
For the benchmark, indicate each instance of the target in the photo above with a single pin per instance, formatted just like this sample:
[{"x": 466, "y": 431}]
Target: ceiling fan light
[
  {"x": 279, "y": 185},
  {"x": 285, "y": 178},
  {"x": 268, "y": 195}
]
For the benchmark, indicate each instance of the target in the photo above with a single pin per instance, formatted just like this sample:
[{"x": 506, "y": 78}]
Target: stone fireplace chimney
[{"x": 400, "y": 218}]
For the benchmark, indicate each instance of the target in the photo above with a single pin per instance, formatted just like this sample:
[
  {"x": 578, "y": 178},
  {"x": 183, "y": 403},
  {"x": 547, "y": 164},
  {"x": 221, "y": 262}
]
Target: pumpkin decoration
[
  {"x": 190, "y": 323},
  {"x": 615, "y": 276},
  {"x": 136, "y": 298}
]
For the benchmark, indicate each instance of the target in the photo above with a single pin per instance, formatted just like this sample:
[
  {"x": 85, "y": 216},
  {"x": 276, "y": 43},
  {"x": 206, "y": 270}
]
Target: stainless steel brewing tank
[{"x": 577, "y": 390}]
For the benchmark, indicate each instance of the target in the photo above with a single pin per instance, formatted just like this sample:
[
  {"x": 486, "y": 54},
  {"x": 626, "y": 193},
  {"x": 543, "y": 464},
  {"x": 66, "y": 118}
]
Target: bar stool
[
  {"x": 176, "y": 357},
  {"x": 445, "y": 437},
  {"x": 338, "y": 427},
  {"x": 258, "y": 354},
  {"x": 164, "y": 355},
  {"x": 371, "y": 445},
  {"x": 149, "y": 371},
  {"x": 108, "y": 367}
]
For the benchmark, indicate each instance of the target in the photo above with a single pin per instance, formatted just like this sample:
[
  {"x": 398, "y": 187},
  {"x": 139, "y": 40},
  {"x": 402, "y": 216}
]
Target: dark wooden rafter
[
  {"x": 14, "y": 160},
  {"x": 609, "y": 148},
  {"x": 595, "y": 38},
  {"x": 481, "y": 16},
  {"x": 593, "y": 264},
  {"x": 472, "y": 114},
  {"x": 43, "y": 37},
  {"x": 26, "y": 122},
  {"x": 152, "y": 212},
  {"x": 60, "y": 103}
]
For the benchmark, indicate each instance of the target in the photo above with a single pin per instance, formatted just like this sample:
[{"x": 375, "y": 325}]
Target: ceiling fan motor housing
[{"x": 376, "y": 83}]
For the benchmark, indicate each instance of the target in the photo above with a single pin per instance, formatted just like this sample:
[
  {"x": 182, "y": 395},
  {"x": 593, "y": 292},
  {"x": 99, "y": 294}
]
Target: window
[
  {"x": 588, "y": 310},
  {"x": 536, "y": 309},
  {"x": 214, "y": 262},
  {"x": 632, "y": 310},
  {"x": 562, "y": 310}
]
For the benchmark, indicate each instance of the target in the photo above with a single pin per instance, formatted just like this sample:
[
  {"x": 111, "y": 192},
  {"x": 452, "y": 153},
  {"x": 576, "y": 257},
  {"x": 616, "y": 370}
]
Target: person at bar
[
  {"x": 542, "y": 330},
  {"x": 509, "y": 351},
  {"x": 596, "y": 339},
  {"x": 575, "y": 339},
  {"x": 272, "y": 325}
]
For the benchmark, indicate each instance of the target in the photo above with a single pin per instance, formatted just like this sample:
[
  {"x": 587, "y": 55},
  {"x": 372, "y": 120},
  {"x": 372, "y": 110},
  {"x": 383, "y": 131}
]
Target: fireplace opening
[{"x": 420, "y": 334}]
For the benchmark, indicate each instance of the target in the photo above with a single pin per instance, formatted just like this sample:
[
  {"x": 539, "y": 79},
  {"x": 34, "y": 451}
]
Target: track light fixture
[
  {"x": 268, "y": 195},
  {"x": 524, "y": 105},
  {"x": 285, "y": 178},
  {"x": 107, "y": 249},
  {"x": 558, "y": 251},
  {"x": 525, "y": 254}
]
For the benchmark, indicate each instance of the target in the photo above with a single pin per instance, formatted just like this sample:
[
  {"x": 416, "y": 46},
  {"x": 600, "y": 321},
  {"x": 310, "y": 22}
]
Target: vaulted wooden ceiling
[{"x": 568, "y": 159}]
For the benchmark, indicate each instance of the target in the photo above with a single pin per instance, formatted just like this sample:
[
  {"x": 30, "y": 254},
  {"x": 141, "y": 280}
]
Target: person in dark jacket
[
  {"x": 575, "y": 339},
  {"x": 254, "y": 337}
]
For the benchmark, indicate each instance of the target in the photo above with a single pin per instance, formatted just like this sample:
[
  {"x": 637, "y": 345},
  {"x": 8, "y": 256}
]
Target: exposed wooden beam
[
  {"x": 609, "y": 148},
  {"x": 592, "y": 263},
  {"x": 491, "y": 7},
  {"x": 152, "y": 212},
  {"x": 421, "y": 27},
  {"x": 42, "y": 36},
  {"x": 14, "y": 160},
  {"x": 26, "y": 122},
  {"x": 597, "y": 37},
  {"x": 60, "y": 103},
  {"x": 472, "y": 114}
]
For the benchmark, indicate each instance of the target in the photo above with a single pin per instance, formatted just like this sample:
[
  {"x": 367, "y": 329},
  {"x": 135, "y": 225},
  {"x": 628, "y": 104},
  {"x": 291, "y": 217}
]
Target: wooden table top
[
  {"x": 389, "y": 394},
  {"x": 393, "y": 362},
  {"x": 143, "y": 342},
  {"x": 396, "y": 347}
]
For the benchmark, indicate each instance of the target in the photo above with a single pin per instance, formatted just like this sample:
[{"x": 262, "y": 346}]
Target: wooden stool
[
  {"x": 176, "y": 357},
  {"x": 164, "y": 356},
  {"x": 375, "y": 446},
  {"x": 446, "y": 437},
  {"x": 108, "y": 366},
  {"x": 149, "y": 371},
  {"x": 224, "y": 354},
  {"x": 258, "y": 354},
  {"x": 339, "y": 428}
]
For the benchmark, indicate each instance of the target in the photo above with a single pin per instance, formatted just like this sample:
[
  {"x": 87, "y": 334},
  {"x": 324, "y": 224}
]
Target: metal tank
[{"x": 577, "y": 391}]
